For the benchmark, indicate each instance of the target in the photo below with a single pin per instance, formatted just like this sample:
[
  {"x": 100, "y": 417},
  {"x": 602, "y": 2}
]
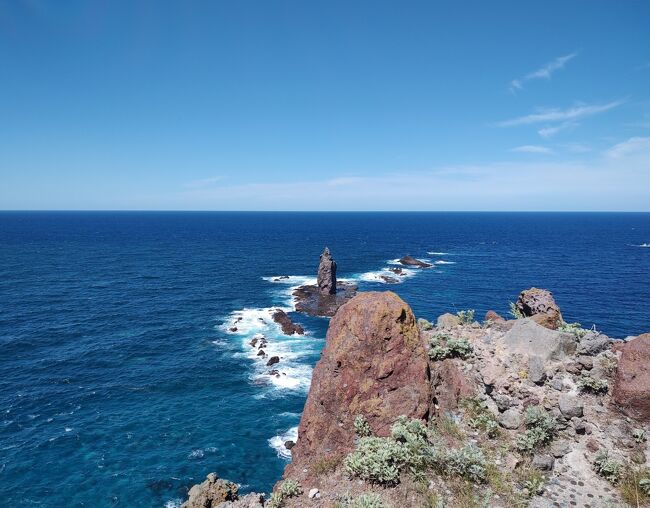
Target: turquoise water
[{"x": 121, "y": 384}]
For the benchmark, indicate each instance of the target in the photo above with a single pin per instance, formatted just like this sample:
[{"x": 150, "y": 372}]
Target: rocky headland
[{"x": 525, "y": 411}]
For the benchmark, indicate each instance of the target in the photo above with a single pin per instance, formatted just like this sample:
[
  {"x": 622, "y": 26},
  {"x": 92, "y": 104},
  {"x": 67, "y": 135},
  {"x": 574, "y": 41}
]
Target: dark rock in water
[
  {"x": 327, "y": 273},
  {"x": 632, "y": 382},
  {"x": 374, "y": 363},
  {"x": 411, "y": 261},
  {"x": 253, "y": 342},
  {"x": 288, "y": 326},
  {"x": 310, "y": 299},
  {"x": 274, "y": 372},
  {"x": 273, "y": 360},
  {"x": 397, "y": 270},
  {"x": 282, "y": 277},
  {"x": 289, "y": 444},
  {"x": 233, "y": 329},
  {"x": 388, "y": 279},
  {"x": 261, "y": 353},
  {"x": 540, "y": 305}
]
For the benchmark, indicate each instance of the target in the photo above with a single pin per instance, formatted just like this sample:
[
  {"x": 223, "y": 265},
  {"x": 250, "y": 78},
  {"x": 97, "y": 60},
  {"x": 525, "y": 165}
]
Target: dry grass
[{"x": 326, "y": 465}]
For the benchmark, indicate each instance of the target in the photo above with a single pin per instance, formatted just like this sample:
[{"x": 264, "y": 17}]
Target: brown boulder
[
  {"x": 374, "y": 364},
  {"x": 540, "y": 305},
  {"x": 632, "y": 384},
  {"x": 490, "y": 315},
  {"x": 450, "y": 385}
]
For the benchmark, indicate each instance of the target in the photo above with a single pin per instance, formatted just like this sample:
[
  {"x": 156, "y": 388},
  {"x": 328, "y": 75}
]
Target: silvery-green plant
[
  {"x": 361, "y": 427},
  {"x": 606, "y": 467},
  {"x": 540, "y": 429},
  {"x": 466, "y": 316},
  {"x": 288, "y": 488}
]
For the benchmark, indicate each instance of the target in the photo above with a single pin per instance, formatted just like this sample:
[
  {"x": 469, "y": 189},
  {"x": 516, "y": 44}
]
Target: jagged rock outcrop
[
  {"x": 411, "y": 261},
  {"x": 540, "y": 305},
  {"x": 324, "y": 298},
  {"x": 326, "y": 279},
  {"x": 447, "y": 320},
  {"x": 632, "y": 382},
  {"x": 287, "y": 325},
  {"x": 374, "y": 364},
  {"x": 211, "y": 493}
]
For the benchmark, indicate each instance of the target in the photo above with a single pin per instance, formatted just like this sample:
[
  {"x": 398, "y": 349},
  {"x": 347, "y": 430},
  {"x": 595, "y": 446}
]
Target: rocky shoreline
[{"x": 528, "y": 411}]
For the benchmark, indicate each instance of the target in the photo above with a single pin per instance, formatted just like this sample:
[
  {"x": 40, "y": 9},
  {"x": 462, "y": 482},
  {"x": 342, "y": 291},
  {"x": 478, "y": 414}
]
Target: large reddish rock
[
  {"x": 540, "y": 305},
  {"x": 632, "y": 384},
  {"x": 450, "y": 385},
  {"x": 374, "y": 364}
]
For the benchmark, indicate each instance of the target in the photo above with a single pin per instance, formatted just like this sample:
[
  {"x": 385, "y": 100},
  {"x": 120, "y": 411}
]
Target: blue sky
[{"x": 325, "y": 105}]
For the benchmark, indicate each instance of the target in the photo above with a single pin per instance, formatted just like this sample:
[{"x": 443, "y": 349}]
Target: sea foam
[{"x": 277, "y": 442}]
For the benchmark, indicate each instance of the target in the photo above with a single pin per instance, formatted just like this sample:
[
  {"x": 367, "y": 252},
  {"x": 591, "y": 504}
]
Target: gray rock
[
  {"x": 543, "y": 462},
  {"x": 587, "y": 362},
  {"x": 314, "y": 493},
  {"x": 327, "y": 273},
  {"x": 212, "y": 492},
  {"x": 510, "y": 419},
  {"x": 527, "y": 337},
  {"x": 571, "y": 406},
  {"x": 447, "y": 321},
  {"x": 502, "y": 401},
  {"x": 560, "y": 449},
  {"x": 252, "y": 500},
  {"x": 536, "y": 372},
  {"x": 557, "y": 383},
  {"x": 592, "y": 343}
]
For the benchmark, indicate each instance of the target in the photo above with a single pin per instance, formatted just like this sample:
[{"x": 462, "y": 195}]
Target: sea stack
[{"x": 327, "y": 273}]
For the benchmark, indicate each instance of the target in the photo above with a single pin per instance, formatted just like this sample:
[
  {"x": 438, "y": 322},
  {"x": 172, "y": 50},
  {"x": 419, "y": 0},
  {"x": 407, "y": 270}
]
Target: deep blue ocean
[{"x": 122, "y": 384}]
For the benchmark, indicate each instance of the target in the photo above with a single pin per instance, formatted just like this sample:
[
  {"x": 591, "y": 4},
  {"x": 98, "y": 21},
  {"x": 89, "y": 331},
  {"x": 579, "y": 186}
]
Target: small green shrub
[
  {"x": 443, "y": 346},
  {"x": 644, "y": 484},
  {"x": 370, "y": 500},
  {"x": 540, "y": 429},
  {"x": 367, "y": 501},
  {"x": 412, "y": 435},
  {"x": 376, "y": 460},
  {"x": 288, "y": 488},
  {"x": 424, "y": 324},
  {"x": 466, "y": 316},
  {"x": 587, "y": 383},
  {"x": 515, "y": 312},
  {"x": 480, "y": 417},
  {"x": 361, "y": 427},
  {"x": 574, "y": 329},
  {"x": 606, "y": 467},
  {"x": 639, "y": 436},
  {"x": 467, "y": 462}
]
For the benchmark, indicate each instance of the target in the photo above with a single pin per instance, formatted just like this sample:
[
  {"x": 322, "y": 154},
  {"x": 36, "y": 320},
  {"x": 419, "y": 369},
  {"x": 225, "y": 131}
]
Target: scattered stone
[
  {"x": 632, "y": 383},
  {"x": 540, "y": 304},
  {"x": 536, "y": 372},
  {"x": 289, "y": 444},
  {"x": 502, "y": 401},
  {"x": 578, "y": 425},
  {"x": 587, "y": 362},
  {"x": 543, "y": 462},
  {"x": 411, "y": 261},
  {"x": 273, "y": 360},
  {"x": 593, "y": 343},
  {"x": 510, "y": 419},
  {"x": 592, "y": 445},
  {"x": 570, "y": 406},
  {"x": 447, "y": 321},
  {"x": 233, "y": 329},
  {"x": 560, "y": 449},
  {"x": 314, "y": 493},
  {"x": 288, "y": 326}
]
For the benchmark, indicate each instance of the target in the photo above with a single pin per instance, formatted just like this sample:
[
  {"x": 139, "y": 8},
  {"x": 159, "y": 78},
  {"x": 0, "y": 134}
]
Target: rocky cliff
[{"x": 523, "y": 412}]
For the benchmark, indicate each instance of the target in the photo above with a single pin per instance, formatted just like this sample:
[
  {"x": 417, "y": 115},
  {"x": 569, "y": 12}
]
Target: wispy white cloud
[
  {"x": 532, "y": 149},
  {"x": 544, "y": 72},
  {"x": 597, "y": 182},
  {"x": 576, "y": 147},
  {"x": 561, "y": 115},
  {"x": 550, "y": 131},
  {"x": 629, "y": 147}
]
